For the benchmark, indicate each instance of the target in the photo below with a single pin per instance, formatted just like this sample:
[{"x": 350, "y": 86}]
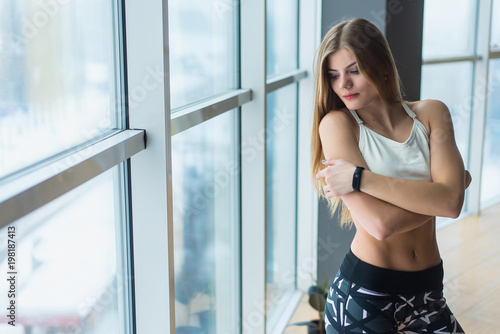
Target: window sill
[{"x": 303, "y": 312}]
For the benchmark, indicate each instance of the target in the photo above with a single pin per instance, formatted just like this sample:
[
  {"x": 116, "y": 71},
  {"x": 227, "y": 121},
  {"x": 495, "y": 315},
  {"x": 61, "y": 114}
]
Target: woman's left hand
[{"x": 338, "y": 177}]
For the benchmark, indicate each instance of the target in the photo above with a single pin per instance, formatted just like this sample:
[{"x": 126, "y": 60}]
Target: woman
[{"x": 394, "y": 166}]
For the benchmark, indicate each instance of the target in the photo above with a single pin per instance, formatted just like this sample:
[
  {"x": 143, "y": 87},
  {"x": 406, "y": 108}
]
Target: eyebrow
[{"x": 332, "y": 69}]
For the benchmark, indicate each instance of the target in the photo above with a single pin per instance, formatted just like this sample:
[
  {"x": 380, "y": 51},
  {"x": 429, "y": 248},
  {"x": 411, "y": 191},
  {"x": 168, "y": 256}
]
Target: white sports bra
[{"x": 408, "y": 160}]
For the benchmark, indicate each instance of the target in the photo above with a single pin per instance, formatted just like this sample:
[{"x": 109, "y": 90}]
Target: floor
[{"x": 470, "y": 249}]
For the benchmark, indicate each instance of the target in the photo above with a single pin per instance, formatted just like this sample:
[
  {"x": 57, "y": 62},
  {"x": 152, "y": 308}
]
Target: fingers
[
  {"x": 321, "y": 174},
  {"x": 328, "y": 193},
  {"x": 330, "y": 162}
]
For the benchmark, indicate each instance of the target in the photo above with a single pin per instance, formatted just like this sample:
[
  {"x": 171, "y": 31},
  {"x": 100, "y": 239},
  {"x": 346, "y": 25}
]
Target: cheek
[
  {"x": 372, "y": 90},
  {"x": 334, "y": 86},
  {"x": 361, "y": 82},
  {"x": 366, "y": 86}
]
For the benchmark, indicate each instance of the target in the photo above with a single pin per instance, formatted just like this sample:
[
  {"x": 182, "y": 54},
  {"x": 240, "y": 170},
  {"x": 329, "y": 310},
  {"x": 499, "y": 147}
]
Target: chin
[{"x": 353, "y": 105}]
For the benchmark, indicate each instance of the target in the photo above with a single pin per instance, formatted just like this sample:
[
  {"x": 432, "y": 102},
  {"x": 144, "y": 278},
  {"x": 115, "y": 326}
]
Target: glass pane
[
  {"x": 69, "y": 263},
  {"x": 495, "y": 25},
  {"x": 282, "y": 36},
  {"x": 449, "y": 28},
  {"x": 58, "y": 73},
  {"x": 203, "y": 43},
  {"x": 206, "y": 227},
  {"x": 281, "y": 154},
  {"x": 490, "y": 185},
  {"x": 457, "y": 96}
]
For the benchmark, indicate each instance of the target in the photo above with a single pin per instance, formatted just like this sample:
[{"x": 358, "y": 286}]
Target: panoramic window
[
  {"x": 71, "y": 261},
  {"x": 58, "y": 97},
  {"x": 490, "y": 187},
  {"x": 281, "y": 159},
  {"x": 62, "y": 91},
  {"x": 281, "y": 197},
  {"x": 448, "y": 57},
  {"x": 205, "y": 167},
  {"x": 203, "y": 49},
  {"x": 457, "y": 36}
]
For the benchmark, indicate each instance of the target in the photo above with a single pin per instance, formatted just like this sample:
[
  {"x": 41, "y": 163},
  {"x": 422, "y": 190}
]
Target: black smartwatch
[{"x": 356, "y": 178}]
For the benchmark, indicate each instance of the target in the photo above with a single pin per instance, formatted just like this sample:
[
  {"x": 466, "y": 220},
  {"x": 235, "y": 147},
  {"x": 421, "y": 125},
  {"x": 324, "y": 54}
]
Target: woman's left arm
[{"x": 443, "y": 196}]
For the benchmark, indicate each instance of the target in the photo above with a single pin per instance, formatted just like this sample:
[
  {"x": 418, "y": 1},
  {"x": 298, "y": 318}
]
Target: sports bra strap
[
  {"x": 408, "y": 110},
  {"x": 405, "y": 107},
  {"x": 356, "y": 116}
]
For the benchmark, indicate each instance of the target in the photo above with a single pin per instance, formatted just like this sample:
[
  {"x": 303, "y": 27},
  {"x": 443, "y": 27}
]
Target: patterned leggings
[{"x": 352, "y": 308}]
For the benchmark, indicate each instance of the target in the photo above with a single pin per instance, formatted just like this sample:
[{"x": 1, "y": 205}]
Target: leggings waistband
[{"x": 391, "y": 281}]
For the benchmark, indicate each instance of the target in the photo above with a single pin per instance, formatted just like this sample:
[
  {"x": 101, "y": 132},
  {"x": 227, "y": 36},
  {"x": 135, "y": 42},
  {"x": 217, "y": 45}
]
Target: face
[{"x": 348, "y": 83}]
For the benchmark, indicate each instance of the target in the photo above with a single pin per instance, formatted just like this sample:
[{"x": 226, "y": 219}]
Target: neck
[{"x": 380, "y": 113}]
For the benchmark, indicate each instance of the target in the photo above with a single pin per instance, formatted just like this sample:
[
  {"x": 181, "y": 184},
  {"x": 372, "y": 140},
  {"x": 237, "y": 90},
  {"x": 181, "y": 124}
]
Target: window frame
[
  {"x": 38, "y": 185},
  {"x": 149, "y": 200},
  {"x": 480, "y": 60}
]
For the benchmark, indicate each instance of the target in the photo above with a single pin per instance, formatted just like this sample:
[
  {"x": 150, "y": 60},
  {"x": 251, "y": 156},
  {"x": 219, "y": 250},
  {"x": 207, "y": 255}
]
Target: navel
[{"x": 414, "y": 254}]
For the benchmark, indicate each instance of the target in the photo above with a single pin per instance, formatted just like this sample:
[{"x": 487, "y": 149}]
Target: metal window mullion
[
  {"x": 307, "y": 211},
  {"x": 283, "y": 80},
  {"x": 151, "y": 171},
  {"x": 446, "y": 60},
  {"x": 494, "y": 54},
  {"x": 196, "y": 114},
  {"x": 29, "y": 192},
  {"x": 479, "y": 101},
  {"x": 253, "y": 166}
]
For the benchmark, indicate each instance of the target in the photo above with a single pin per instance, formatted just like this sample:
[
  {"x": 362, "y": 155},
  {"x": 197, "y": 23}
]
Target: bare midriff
[{"x": 414, "y": 250}]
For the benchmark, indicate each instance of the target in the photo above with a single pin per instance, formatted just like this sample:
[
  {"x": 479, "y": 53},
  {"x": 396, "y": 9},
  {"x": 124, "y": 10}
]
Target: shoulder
[
  {"x": 431, "y": 113},
  {"x": 339, "y": 126},
  {"x": 429, "y": 109},
  {"x": 339, "y": 132},
  {"x": 340, "y": 119}
]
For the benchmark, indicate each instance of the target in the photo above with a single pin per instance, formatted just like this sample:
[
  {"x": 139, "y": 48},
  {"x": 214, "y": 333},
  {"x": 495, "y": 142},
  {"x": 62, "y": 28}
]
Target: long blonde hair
[{"x": 375, "y": 62}]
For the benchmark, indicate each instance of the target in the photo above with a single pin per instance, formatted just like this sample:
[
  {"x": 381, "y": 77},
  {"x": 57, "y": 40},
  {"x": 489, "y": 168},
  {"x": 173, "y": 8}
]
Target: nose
[{"x": 344, "y": 82}]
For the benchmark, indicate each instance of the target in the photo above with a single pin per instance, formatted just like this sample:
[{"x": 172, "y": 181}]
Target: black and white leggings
[{"x": 353, "y": 308}]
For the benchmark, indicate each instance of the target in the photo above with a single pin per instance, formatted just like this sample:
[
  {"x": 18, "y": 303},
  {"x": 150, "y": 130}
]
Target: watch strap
[{"x": 356, "y": 178}]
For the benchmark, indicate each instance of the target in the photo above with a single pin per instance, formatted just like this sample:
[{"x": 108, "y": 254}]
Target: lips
[{"x": 350, "y": 96}]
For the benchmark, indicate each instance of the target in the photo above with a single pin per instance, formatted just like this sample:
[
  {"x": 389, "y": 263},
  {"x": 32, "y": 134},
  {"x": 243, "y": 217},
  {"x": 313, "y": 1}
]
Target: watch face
[{"x": 356, "y": 180}]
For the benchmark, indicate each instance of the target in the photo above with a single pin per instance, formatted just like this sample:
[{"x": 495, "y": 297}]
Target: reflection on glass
[
  {"x": 69, "y": 263},
  {"x": 57, "y": 76},
  {"x": 282, "y": 36},
  {"x": 452, "y": 84},
  {"x": 449, "y": 28},
  {"x": 495, "y": 25},
  {"x": 203, "y": 43},
  {"x": 206, "y": 227},
  {"x": 281, "y": 196},
  {"x": 490, "y": 185}
]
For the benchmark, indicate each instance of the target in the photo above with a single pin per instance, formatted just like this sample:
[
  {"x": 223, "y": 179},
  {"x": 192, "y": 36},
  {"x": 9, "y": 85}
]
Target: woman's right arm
[{"x": 380, "y": 219}]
